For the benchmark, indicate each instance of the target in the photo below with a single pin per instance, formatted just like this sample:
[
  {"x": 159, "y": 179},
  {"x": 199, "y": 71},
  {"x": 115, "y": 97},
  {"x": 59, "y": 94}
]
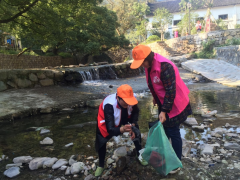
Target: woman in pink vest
[{"x": 169, "y": 92}]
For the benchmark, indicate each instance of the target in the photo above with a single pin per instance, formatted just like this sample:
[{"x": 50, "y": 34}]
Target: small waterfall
[
  {"x": 84, "y": 78},
  {"x": 95, "y": 74},
  {"x": 112, "y": 74},
  {"x": 89, "y": 75}
]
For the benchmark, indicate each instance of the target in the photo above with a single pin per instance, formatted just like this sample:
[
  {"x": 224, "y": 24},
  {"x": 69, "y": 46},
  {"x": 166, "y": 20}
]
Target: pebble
[
  {"x": 63, "y": 168},
  {"x": 59, "y": 163},
  {"x": 44, "y": 131},
  {"x": 68, "y": 145},
  {"x": 94, "y": 166},
  {"x": 37, "y": 163},
  {"x": 77, "y": 167},
  {"x": 46, "y": 141},
  {"x": 49, "y": 163}
]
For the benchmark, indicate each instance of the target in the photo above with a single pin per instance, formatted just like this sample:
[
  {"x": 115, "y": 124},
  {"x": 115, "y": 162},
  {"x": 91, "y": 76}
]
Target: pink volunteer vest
[{"x": 181, "y": 99}]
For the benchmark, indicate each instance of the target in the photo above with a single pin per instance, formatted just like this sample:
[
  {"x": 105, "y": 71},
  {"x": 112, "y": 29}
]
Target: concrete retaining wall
[{"x": 230, "y": 54}]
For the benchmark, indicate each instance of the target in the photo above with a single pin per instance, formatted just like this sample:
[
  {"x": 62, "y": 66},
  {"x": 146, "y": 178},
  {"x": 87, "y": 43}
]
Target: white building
[{"x": 227, "y": 10}]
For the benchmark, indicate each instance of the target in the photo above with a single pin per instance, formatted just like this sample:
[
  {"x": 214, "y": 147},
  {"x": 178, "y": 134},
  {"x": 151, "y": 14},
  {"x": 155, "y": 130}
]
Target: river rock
[
  {"x": 234, "y": 146},
  {"x": 23, "y": 83},
  {"x": 13, "y": 165},
  {"x": 63, "y": 168},
  {"x": 47, "y": 82},
  {"x": 37, "y": 163},
  {"x": 46, "y": 141},
  {"x": 77, "y": 167},
  {"x": 44, "y": 131},
  {"x": 33, "y": 77},
  {"x": 59, "y": 163},
  {"x": 121, "y": 151},
  {"x": 207, "y": 149},
  {"x": 12, "y": 172},
  {"x": 198, "y": 128},
  {"x": 22, "y": 159},
  {"x": 121, "y": 164},
  {"x": 90, "y": 177},
  {"x": 212, "y": 113},
  {"x": 191, "y": 122},
  {"x": 94, "y": 103},
  {"x": 93, "y": 166},
  {"x": 49, "y": 162},
  {"x": 232, "y": 135},
  {"x": 68, "y": 171},
  {"x": 227, "y": 125},
  {"x": 72, "y": 160},
  {"x": 109, "y": 161}
]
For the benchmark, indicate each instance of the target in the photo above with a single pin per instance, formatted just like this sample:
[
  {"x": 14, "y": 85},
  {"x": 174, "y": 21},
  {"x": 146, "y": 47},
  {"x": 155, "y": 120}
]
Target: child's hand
[{"x": 132, "y": 134}]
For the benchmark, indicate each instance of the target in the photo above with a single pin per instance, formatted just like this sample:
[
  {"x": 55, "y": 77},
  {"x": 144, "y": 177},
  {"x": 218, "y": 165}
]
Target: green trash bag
[{"x": 158, "y": 151}]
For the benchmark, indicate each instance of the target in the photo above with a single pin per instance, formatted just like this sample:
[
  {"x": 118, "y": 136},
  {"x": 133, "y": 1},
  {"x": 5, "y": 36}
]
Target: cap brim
[
  {"x": 136, "y": 64},
  {"x": 131, "y": 101}
]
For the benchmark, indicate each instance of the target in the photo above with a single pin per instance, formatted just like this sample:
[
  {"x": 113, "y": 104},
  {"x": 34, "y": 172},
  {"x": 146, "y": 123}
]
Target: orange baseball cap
[
  {"x": 126, "y": 93},
  {"x": 139, "y": 53}
]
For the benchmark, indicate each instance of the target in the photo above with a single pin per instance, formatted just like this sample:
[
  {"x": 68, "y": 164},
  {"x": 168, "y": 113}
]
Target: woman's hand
[
  {"x": 162, "y": 117},
  {"x": 132, "y": 134},
  {"x": 126, "y": 128}
]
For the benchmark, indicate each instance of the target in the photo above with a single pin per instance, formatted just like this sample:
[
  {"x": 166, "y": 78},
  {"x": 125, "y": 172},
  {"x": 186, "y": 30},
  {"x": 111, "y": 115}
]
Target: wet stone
[
  {"x": 46, "y": 141},
  {"x": 191, "y": 122},
  {"x": 12, "y": 172},
  {"x": 22, "y": 159},
  {"x": 13, "y": 165},
  {"x": 59, "y": 163}
]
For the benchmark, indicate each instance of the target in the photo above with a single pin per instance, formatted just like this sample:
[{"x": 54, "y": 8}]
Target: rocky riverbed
[{"x": 54, "y": 142}]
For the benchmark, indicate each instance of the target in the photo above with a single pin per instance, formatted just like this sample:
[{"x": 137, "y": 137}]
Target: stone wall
[
  {"x": 188, "y": 44},
  {"x": 27, "y": 61},
  {"x": 230, "y": 54},
  {"x": 68, "y": 61},
  {"x": 28, "y": 78}
]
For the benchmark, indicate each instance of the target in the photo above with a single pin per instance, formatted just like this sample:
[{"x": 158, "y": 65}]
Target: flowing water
[{"x": 17, "y": 140}]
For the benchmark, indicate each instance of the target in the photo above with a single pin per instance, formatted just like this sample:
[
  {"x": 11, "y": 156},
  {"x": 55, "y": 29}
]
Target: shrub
[
  {"x": 207, "y": 52},
  {"x": 237, "y": 26},
  {"x": 153, "y": 38},
  {"x": 49, "y": 54},
  {"x": 233, "y": 41},
  {"x": 65, "y": 55}
]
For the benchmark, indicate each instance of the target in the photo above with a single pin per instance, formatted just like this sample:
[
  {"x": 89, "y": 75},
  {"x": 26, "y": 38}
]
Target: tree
[
  {"x": 161, "y": 19},
  {"x": 129, "y": 13},
  {"x": 184, "y": 23},
  {"x": 76, "y": 26}
]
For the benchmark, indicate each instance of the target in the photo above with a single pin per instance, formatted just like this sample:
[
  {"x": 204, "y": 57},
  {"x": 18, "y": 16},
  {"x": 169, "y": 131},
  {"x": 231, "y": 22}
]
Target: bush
[
  {"x": 233, "y": 42},
  {"x": 65, "y": 55},
  {"x": 153, "y": 38},
  {"x": 167, "y": 35},
  {"x": 207, "y": 52},
  {"x": 237, "y": 26},
  {"x": 156, "y": 32},
  {"x": 49, "y": 54}
]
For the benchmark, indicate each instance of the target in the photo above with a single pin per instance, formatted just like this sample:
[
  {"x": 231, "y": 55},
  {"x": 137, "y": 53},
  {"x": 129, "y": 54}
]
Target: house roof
[{"x": 173, "y": 5}]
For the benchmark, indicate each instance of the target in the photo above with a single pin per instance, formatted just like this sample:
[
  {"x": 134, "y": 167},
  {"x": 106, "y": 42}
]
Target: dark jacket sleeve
[
  {"x": 169, "y": 82},
  {"x": 134, "y": 115},
  {"x": 109, "y": 120}
]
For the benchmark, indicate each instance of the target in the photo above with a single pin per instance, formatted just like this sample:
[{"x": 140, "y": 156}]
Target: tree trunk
[{"x": 24, "y": 51}]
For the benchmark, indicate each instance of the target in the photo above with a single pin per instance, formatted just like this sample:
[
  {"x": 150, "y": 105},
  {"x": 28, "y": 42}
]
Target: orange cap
[
  {"x": 126, "y": 93},
  {"x": 139, "y": 53}
]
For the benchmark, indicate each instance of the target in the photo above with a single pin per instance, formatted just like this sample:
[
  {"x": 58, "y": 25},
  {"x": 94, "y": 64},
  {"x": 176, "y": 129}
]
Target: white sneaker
[{"x": 175, "y": 171}]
